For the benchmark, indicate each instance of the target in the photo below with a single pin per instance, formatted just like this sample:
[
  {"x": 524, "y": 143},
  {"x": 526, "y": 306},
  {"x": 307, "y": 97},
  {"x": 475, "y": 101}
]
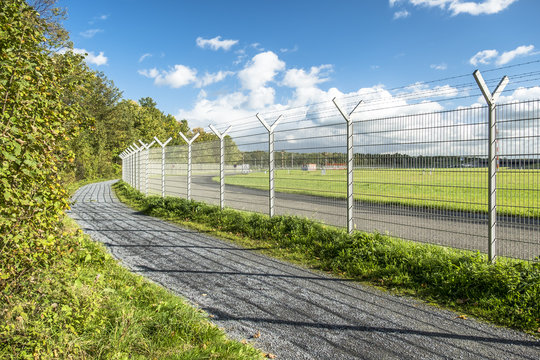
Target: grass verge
[
  {"x": 506, "y": 293},
  {"x": 85, "y": 305}
]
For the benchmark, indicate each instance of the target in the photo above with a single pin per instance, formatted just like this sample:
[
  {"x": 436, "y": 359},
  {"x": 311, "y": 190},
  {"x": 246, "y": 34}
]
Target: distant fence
[{"x": 467, "y": 178}]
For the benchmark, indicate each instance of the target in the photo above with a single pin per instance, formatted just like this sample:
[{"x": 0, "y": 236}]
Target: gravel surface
[{"x": 283, "y": 309}]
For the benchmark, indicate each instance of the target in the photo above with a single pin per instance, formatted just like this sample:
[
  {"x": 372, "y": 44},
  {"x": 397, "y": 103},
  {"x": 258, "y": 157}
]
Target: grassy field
[{"x": 518, "y": 191}]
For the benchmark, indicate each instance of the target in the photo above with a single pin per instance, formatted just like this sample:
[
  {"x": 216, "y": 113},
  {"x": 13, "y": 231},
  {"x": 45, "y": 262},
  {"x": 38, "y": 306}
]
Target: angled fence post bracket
[
  {"x": 221, "y": 136},
  {"x": 350, "y": 163},
  {"x": 189, "y": 143},
  {"x": 162, "y": 163},
  {"x": 270, "y": 129},
  {"x": 491, "y": 100}
]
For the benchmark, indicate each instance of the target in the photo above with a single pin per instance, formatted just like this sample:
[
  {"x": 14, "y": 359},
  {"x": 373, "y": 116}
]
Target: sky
[{"x": 219, "y": 61}]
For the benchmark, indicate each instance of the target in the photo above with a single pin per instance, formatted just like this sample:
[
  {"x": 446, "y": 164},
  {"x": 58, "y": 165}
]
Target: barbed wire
[{"x": 400, "y": 97}]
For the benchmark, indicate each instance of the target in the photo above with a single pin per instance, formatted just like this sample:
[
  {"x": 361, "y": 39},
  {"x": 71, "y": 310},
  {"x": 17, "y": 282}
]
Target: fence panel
[
  {"x": 518, "y": 179},
  {"x": 154, "y": 171},
  {"x": 246, "y": 168},
  {"x": 176, "y": 170},
  {"x": 311, "y": 178},
  {"x": 205, "y": 171}
]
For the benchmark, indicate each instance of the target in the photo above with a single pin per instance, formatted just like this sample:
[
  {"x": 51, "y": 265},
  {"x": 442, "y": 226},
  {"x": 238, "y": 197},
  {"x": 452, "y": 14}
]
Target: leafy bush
[{"x": 35, "y": 125}]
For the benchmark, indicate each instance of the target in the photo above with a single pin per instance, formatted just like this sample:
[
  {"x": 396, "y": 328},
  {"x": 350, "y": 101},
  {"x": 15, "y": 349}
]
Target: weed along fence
[{"x": 395, "y": 163}]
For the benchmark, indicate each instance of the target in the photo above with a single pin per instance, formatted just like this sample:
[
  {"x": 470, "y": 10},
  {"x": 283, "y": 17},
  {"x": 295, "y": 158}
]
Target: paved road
[
  {"x": 300, "y": 314},
  {"x": 518, "y": 237}
]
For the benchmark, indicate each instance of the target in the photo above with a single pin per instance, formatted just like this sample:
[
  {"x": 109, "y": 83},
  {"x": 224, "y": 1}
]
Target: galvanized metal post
[
  {"x": 491, "y": 100},
  {"x": 132, "y": 170},
  {"x": 221, "y": 137},
  {"x": 350, "y": 165},
  {"x": 162, "y": 163},
  {"x": 121, "y": 156},
  {"x": 146, "y": 160},
  {"x": 189, "y": 142},
  {"x": 137, "y": 166},
  {"x": 270, "y": 129}
]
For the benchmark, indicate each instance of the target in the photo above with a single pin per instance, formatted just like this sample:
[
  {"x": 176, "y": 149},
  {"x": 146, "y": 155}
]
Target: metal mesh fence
[
  {"x": 246, "y": 175},
  {"x": 205, "y": 173},
  {"x": 518, "y": 179},
  {"x": 154, "y": 171},
  {"x": 416, "y": 175},
  {"x": 422, "y": 177}
]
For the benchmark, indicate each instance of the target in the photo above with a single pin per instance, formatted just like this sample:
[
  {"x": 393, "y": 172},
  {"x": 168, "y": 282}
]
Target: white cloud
[
  {"x": 90, "y": 33},
  {"x": 259, "y": 87},
  {"x": 144, "y": 56},
  {"x": 208, "y": 79},
  {"x": 441, "y": 66},
  {"x": 151, "y": 73},
  {"x": 487, "y": 7},
  {"x": 176, "y": 77},
  {"x": 508, "y": 56},
  {"x": 285, "y": 50},
  {"x": 215, "y": 43},
  {"x": 486, "y": 56},
  {"x": 181, "y": 75},
  {"x": 457, "y": 7},
  {"x": 299, "y": 78},
  {"x": 520, "y": 94},
  {"x": 89, "y": 56},
  {"x": 260, "y": 70},
  {"x": 401, "y": 14},
  {"x": 483, "y": 57}
]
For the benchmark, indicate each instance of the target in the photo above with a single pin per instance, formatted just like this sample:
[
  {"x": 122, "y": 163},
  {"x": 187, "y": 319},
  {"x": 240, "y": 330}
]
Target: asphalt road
[
  {"x": 300, "y": 314},
  {"x": 518, "y": 237}
]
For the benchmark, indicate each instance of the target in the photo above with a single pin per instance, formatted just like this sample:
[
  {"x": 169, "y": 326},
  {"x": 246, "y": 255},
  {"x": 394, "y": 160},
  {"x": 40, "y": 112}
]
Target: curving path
[{"x": 300, "y": 314}]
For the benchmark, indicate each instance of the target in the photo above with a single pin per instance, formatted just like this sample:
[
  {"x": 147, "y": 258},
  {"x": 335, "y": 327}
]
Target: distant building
[{"x": 309, "y": 167}]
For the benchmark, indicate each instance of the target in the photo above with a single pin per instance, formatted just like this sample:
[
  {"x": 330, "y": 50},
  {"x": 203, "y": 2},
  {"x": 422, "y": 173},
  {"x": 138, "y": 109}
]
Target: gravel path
[{"x": 299, "y": 314}]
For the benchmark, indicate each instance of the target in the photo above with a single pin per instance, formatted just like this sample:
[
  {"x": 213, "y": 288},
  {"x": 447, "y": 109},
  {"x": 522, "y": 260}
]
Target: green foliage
[
  {"x": 506, "y": 293},
  {"x": 33, "y": 138},
  {"x": 86, "y": 305}
]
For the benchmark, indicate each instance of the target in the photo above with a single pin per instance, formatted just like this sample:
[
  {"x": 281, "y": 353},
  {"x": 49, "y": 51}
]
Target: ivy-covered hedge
[{"x": 33, "y": 132}]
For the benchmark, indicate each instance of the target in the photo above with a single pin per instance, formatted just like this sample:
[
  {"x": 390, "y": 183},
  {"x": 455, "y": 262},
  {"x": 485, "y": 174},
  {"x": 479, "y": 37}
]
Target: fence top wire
[{"x": 441, "y": 91}]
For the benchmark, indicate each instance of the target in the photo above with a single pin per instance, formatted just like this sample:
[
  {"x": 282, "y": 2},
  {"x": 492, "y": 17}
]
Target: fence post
[
  {"x": 129, "y": 158},
  {"x": 189, "y": 142},
  {"x": 221, "y": 137},
  {"x": 132, "y": 166},
  {"x": 137, "y": 166},
  {"x": 272, "y": 194},
  {"x": 491, "y": 100},
  {"x": 162, "y": 163},
  {"x": 121, "y": 156},
  {"x": 350, "y": 165},
  {"x": 146, "y": 160}
]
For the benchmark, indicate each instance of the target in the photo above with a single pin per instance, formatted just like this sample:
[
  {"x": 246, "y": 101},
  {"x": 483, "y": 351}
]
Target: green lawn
[{"x": 458, "y": 189}]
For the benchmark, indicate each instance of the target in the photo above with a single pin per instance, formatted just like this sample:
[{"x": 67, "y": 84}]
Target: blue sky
[{"x": 214, "y": 61}]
